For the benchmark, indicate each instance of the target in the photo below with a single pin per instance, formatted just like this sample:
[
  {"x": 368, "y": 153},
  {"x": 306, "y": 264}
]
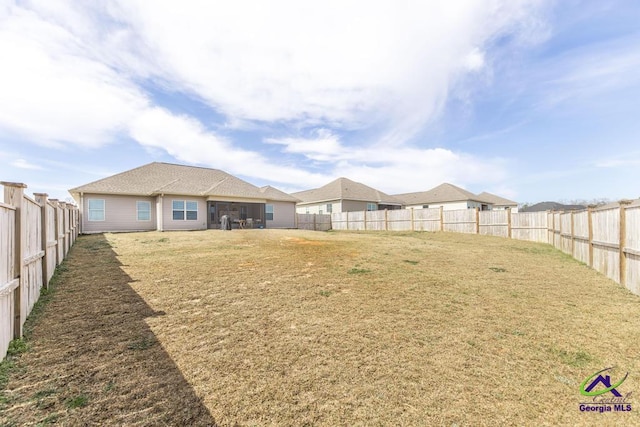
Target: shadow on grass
[{"x": 92, "y": 358}]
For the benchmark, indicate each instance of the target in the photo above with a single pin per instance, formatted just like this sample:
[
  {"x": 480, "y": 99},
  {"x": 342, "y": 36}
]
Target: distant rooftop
[{"x": 345, "y": 189}]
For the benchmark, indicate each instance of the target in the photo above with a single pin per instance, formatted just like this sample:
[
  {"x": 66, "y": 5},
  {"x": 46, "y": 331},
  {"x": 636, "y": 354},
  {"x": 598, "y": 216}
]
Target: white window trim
[
  {"x": 185, "y": 210},
  {"x": 138, "y": 211},
  {"x": 103, "y": 210}
]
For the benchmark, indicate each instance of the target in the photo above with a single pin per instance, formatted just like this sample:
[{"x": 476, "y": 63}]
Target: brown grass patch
[{"x": 269, "y": 327}]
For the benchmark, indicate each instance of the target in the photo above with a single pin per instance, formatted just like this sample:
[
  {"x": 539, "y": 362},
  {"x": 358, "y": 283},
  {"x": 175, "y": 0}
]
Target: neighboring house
[
  {"x": 344, "y": 195},
  {"x": 163, "y": 196},
  {"x": 499, "y": 203},
  {"x": 446, "y": 195}
]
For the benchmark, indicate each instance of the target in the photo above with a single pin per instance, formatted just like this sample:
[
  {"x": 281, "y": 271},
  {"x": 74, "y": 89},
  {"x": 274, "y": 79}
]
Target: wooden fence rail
[
  {"x": 606, "y": 239},
  {"x": 35, "y": 236}
]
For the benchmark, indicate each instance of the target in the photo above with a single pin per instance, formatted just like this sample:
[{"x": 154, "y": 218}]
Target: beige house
[
  {"x": 344, "y": 195},
  {"x": 163, "y": 196},
  {"x": 499, "y": 203},
  {"x": 449, "y": 196}
]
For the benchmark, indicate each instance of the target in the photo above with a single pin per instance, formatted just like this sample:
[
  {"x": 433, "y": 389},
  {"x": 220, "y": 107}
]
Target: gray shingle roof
[
  {"x": 166, "y": 178},
  {"x": 497, "y": 200},
  {"x": 272, "y": 193},
  {"x": 443, "y": 193},
  {"x": 345, "y": 189},
  {"x": 551, "y": 206}
]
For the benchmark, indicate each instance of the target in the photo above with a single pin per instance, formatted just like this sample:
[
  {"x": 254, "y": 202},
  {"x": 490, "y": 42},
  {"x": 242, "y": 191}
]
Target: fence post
[
  {"x": 573, "y": 229},
  {"x": 560, "y": 232},
  {"x": 65, "y": 228},
  {"x": 477, "y": 220},
  {"x": 413, "y": 227},
  {"x": 56, "y": 225},
  {"x": 441, "y": 218},
  {"x": 14, "y": 195},
  {"x": 42, "y": 199},
  {"x": 553, "y": 228},
  {"x": 314, "y": 223},
  {"x": 386, "y": 220},
  {"x": 509, "y": 223},
  {"x": 623, "y": 242},
  {"x": 365, "y": 220},
  {"x": 590, "y": 224}
]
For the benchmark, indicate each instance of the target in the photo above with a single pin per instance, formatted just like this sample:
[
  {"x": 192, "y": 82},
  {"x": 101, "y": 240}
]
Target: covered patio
[{"x": 241, "y": 214}]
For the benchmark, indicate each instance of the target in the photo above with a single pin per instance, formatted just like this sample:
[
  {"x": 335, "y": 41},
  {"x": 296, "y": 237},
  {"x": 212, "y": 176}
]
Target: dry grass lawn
[{"x": 271, "y": 327}]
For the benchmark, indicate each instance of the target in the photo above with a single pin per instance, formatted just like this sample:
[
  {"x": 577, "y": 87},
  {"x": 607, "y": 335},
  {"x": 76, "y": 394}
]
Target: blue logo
[{"x": 606, "y": 381}]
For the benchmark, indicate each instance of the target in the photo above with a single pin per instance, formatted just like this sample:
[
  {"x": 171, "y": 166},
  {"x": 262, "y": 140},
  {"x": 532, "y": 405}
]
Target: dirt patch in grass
[{"x": 269, "y": 327}]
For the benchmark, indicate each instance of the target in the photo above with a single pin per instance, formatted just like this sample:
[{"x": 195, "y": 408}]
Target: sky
[{"x": 531, "y": 100}]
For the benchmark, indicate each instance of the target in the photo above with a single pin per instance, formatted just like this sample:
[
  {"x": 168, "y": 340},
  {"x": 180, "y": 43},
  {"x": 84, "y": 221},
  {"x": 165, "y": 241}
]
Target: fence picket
[{"x": 28, "y": 244}]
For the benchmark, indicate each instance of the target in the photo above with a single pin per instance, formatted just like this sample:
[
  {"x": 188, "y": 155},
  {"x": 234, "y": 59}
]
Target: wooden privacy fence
[
  {"x": 607, "y": 238},
  {"x": 35, "y": 236},
  {"x": 523, "y": 226},
  {"x": 316, "y": 222}
]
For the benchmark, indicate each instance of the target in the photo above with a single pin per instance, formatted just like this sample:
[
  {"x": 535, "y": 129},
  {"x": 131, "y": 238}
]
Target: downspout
[
  {"x": 160, "y": 213},
  {"x": 81, "y": 213}
]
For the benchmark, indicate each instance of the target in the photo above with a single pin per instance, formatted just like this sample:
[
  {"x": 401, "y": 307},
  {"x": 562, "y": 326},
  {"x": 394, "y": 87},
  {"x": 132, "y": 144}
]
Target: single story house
[
  {"x": 499, "y": 203},
  {"x": 449, "y": 196},
  {"x": 164, "y": 196},
  {"x": 344, "y": 195}
]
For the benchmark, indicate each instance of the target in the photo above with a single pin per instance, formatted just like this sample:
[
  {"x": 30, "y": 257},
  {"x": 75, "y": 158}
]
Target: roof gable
[
  {"x": 272, "y": 193},
  {"x": 496, "y": 200},
  {"x": 346, "y": 189},
  {"x": 443, "y": 193}
]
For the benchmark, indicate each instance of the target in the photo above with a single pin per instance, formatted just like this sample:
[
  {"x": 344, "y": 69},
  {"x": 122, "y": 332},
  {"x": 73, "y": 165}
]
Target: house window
[
  {"x": 372, "y": 207},
  {"x": 269, "y": 212},
  {"x": 96, "y": 210},
  {"x": 307, "y": 211},
  {"x": 425, "y": 206},
  {"x": 184, "y": 209},
  {"x": 329, "y": 208},
  {"x": 143, "y": 211},
  {"x": 320, "y": 212}
]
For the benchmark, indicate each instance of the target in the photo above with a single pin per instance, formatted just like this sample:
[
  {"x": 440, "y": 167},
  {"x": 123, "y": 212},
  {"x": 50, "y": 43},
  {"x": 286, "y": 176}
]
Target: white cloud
[
  {"x": 23, "y": 164},
  {"x": 396, "y": 169},
  {"x": 53, "y": 92},
  {"x": 76, "y": 74},
  {"x": 334, "y": 63},
  {"x": 324, "y": 147},
  {"x": 187, "y": 140}
]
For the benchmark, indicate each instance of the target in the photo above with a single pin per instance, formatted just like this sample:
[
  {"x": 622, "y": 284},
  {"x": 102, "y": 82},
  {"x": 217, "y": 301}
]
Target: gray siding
[{"x": 120, "y": 214}]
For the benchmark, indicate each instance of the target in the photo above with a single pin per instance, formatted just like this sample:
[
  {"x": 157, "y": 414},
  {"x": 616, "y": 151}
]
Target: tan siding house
[
  {"x": 447, "y": 196},
  {"x": 163, "y": 196},
  {"x": 344, "y": 195},
  {"x": 500, "y": 203}
]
